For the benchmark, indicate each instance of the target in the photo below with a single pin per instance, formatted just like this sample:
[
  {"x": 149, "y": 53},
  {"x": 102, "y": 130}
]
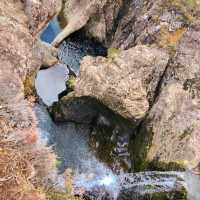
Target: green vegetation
[
  {"x": 65, "y": 195},
  {"x": 169, "y": 39},
  {"x": 113, "y": 53},
  {"x": 29, "y": 88},
  {"x": 71, "y": 83}
]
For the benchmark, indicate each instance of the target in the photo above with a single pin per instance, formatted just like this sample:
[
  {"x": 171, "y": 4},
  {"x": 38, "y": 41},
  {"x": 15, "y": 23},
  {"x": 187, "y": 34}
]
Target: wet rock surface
[
  {"x": 109, "y": 133},
  {"x": 143, "y": 186}
]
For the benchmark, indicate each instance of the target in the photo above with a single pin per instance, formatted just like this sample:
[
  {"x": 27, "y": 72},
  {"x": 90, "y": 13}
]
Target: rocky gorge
[{"x": 120, "y": 80}]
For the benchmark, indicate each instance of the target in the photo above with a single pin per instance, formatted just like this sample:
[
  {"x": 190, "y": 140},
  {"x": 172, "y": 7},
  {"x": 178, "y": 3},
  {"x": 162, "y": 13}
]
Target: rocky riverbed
[
  {"x": 116, "y": 116},
  {"x": 95, "y": 142}
]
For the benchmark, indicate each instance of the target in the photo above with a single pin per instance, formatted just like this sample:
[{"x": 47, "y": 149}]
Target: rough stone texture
[
  {"x": 45, "y": 53},
  {"x": 125, "y": 83},
  {"x": 124, "y": 24},
  {"x": 175, "y": 125},
  {"x": 143, "y": 22},
  {"x": 160, "y": 22},
  {"x": 40, "y": 11},
  {"x": 77, "y": 13},
  {"x": 171, "y": 130},
  {"x": 102, "y": 26},
  {"x": 18, "y": 134},
  {"x": 185, "y": 65}
]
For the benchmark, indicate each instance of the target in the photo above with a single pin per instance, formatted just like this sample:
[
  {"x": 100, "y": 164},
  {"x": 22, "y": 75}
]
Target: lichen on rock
[{"x": 126, "y": 83}]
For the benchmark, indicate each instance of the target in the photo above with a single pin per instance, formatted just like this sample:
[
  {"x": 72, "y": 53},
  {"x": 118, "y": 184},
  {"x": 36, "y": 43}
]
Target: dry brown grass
[
  {"x": 169, "y": 39},
  {"x": 24, "y": 164},
  {"x": 68, "y": 194}
]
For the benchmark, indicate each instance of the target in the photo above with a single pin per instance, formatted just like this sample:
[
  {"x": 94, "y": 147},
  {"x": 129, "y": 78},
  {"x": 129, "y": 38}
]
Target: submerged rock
[
  {"x": 141, "y": 186},
  {"x": 125, "y": 83}
]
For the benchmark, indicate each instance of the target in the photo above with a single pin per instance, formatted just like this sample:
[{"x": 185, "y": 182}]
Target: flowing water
[{"x": 70, "y": 141}]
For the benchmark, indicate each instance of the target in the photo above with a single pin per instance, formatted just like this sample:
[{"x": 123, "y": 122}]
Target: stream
[{"x": 71, "y": 141}]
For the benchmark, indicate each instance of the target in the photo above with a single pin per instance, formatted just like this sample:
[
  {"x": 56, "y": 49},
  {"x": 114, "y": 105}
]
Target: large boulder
[
  {"x": 125, "y": 82},
  {"x": 77, "y": 13},
  {"x": 185, "y": 65},
  {"x": 175, "y": 126},
  {"x": 157, "y": 22},
  {"x": 168, "y": 138}
]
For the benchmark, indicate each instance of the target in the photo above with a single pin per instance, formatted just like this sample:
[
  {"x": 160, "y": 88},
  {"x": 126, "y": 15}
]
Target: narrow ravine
[{"x": 71, "y": 141}]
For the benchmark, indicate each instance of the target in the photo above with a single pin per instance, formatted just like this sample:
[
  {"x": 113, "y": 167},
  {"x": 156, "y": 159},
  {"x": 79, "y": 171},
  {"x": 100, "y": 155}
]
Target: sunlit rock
[
  {"x": 125, "y": 83},
  {"x": 170, "y": 135}
]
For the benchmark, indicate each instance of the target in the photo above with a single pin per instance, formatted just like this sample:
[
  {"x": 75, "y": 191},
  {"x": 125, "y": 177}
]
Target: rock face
[
  {"x": 185, "y": 66},
  {"x": 18, "y": 134},
  {"x": 40, "y": 11},
  {"x": 175, "y": 128},
  {"x": 102, "y": 26},
  {"x": 124, "y": 24},
  {"x": 179, "y": 122},
  {"x": 77, "y": 13},
  {"x": 170, "y": 133},
  {"x": 125, "y": 83},
  {"x": 157, "y": 22}
]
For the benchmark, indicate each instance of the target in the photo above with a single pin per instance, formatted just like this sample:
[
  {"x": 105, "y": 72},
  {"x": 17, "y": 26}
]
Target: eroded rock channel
[{"x": 97, "y": 114}]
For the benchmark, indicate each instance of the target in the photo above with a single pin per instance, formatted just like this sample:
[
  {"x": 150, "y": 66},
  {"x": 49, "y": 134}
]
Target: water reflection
[
  {"x": 51, "y": 31},
  {"x": 50, "y": 83}
]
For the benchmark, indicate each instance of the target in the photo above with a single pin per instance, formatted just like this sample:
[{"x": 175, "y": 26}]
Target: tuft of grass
[
  {"x": 169, "y": 39},
  {"x": 71, "y": 83},
  {"x": 24, "y": 163},
  {"x": 29, "y": 88},
  {"x": 68, "y": 194},
  {"x": 113, "y": 53}
]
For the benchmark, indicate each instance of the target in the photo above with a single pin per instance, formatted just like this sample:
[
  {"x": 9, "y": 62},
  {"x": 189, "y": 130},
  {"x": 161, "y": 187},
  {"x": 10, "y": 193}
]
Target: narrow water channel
[{"x": 70, "y": 141}]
